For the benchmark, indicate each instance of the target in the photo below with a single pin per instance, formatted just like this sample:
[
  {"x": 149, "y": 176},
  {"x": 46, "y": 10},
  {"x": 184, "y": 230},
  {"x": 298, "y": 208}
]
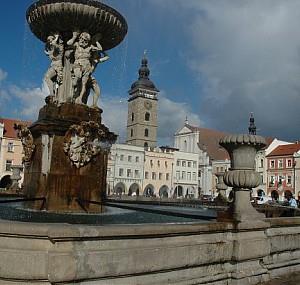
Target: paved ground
[{"x": 292, "y": 279}]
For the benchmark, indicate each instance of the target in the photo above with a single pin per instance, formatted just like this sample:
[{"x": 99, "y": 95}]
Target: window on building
[
  {"x": 129, "y": 173},
  {"x": 271, "y": 180},
  {"x": 8, "y": 165},
  {"x": 132, "y": 117},
  {"x": 177, "y": 175},
  {"x": 146, "y": 133},
  {"x": 160, "y": 176},
  {"x": 158, "y": 163},
  {"x": 146, "y": 175},
  {"x": 129, "y": 158},
  {"x": 121, "y": 157},
  {"x": 145, "y": 144},
  {"x": 289, "y": 163},
  {"x": 272, "y": 163},
  {"x": 189, "y": 164},
  {"x": 280, "y": 163},
  {"x": 136, "y": 174},
  {"x": 147, "y": 116},
  {"x": 194, "y": 176},
  {"x": 280, "y": 180},
  {"x": 151, "y": 162},
  {"x": 153, "y": 175},
  {"x": 261, "y": 179},
  {"x": 199, "y": 173},
  {"x": 166, "y": 164},
  {"x": 289, "y": 180},
  {"x": 183, "y": 163},
  {"x": 108, "y": 172},
  {"x": 221, "y": 168},
  {"x": 10, "y": 147},
  {"x": 131, "y": 132},
  {"x": 178, "y": 162},
  {"x": 189, "y": 176},
  {"x": 137, "y": 159},
  {"x": 121, "y": 172},
  {"x": 261, "y": 163},
  {"x": 183, "y": 175},
  {"x": 167, "y": 176},
  {"x": 194, "y": 164},
  {"x": 218, "y": 170}
]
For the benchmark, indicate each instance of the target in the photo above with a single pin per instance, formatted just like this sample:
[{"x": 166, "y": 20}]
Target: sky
[{"x": 214, "y": 62}]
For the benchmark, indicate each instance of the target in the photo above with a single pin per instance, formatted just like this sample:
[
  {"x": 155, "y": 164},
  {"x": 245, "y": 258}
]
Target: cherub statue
[
  {"x": 54, "y": 75},
  {"x": 84, "y": 63}
]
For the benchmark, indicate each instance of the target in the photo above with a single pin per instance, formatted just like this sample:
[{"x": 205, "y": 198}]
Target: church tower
[
  {"x": 142, "y": 110},
  {"x": 252, "y": 127}
]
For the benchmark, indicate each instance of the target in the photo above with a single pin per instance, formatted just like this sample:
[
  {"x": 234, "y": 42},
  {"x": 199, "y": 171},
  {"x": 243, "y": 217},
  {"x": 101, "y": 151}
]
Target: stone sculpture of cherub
[
  {"x": 84, "y": 65},
  {"x": 55, "y": 50}
]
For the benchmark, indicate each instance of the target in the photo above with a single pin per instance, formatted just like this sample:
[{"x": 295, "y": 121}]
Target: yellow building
[{"x": 158, "y": 172}]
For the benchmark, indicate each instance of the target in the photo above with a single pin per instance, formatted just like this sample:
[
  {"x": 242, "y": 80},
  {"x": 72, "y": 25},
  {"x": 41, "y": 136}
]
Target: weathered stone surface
[
  {"x": 152, "y": 254},
  {"x": 52, "y": 175}
]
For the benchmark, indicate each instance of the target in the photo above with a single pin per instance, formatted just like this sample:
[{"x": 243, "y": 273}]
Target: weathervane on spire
[{"x": 186, "y": 120}]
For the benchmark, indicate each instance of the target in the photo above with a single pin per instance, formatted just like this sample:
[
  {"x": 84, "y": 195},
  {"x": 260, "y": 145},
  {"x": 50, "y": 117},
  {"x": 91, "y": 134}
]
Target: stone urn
[
  {"x": 242, "y": 176},
  {"x": 221, "y": 188}
]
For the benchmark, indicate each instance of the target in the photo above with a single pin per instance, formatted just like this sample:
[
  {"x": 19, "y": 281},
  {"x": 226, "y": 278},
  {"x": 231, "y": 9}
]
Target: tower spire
[{"x": 252, "y": 127}]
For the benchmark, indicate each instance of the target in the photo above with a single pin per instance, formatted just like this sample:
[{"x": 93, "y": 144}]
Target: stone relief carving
[
  {"x": 84, "y": 141},
  {"x": 24, "y": 134}
]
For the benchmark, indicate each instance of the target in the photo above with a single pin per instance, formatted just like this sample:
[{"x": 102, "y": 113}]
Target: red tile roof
[
  {"x": 288, "y": 149},
  {"x": 9, "y": 131},
  {"x": 209, "y": 142}
]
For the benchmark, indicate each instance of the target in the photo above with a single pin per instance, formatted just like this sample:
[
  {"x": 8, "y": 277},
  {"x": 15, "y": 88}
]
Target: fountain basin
[{"x": 47, "y": 17}]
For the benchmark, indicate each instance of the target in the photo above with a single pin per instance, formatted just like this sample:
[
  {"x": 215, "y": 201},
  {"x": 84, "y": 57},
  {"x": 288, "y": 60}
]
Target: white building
[
  {"x": 205, "y": 143},
  {"x": 125, "y": 172},
  {"x": 185, "y": 179}
]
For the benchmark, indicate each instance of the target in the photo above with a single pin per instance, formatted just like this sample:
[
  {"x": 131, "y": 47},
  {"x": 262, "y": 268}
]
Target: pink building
[{"x": 281, "y": 171}]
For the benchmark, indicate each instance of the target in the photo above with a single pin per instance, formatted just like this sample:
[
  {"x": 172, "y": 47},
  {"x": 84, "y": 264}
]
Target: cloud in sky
[{"x": 246, "y": 56}]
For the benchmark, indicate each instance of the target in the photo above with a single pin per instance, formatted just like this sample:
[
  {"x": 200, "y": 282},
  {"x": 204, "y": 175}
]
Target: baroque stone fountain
[{"x": 66, "y": 148}]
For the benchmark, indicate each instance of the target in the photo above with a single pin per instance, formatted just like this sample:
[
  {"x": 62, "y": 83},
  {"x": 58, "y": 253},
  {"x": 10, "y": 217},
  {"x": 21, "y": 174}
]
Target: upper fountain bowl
[{"x": 46, "y": 17}]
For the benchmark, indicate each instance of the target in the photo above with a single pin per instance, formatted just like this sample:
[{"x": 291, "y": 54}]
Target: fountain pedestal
[{"x": 68, "y": 166}]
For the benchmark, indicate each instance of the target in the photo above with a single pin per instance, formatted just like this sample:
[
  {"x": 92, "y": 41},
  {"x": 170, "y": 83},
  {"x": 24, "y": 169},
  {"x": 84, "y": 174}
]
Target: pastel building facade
[
  {"x": 282, "y": 171},
  {"x": 158, "y": 171},
  {"x": 11, "y": 150}
]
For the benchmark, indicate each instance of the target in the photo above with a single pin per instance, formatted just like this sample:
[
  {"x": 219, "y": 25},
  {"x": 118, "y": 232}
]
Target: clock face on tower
[{"x": 148, "y": 105}]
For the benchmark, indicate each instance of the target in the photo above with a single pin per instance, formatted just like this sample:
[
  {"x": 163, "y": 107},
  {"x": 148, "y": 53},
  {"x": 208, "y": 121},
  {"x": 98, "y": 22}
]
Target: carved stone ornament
[
  {"x": 24, "y": 134},
  {"x": 85, "y": 141}
]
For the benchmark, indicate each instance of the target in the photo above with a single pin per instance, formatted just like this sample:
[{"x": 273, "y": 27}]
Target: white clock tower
[{"x": 142, "y": 110}]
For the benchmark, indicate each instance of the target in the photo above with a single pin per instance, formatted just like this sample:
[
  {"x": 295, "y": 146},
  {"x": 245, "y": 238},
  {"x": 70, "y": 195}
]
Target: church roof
[
  {"x": 143, "y": 82},
  {"x": 209, "y": 142},
  {"x": 9, "y": 131}
]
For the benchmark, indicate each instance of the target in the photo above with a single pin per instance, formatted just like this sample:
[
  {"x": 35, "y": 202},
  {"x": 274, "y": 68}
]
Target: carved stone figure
[
  {"x": 24, "y": 134},
  {"x": 92, "y": 83},
  {"x": 54, "y": 76},
  {"x": 84, "y": 141},
  {"x": 84, "y": 65}
]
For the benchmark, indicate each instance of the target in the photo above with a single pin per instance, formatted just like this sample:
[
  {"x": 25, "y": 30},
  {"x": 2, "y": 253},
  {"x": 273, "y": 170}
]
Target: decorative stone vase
[
  {"x": 221, "y": 188},
  {"x": 242, "y": 176}
]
